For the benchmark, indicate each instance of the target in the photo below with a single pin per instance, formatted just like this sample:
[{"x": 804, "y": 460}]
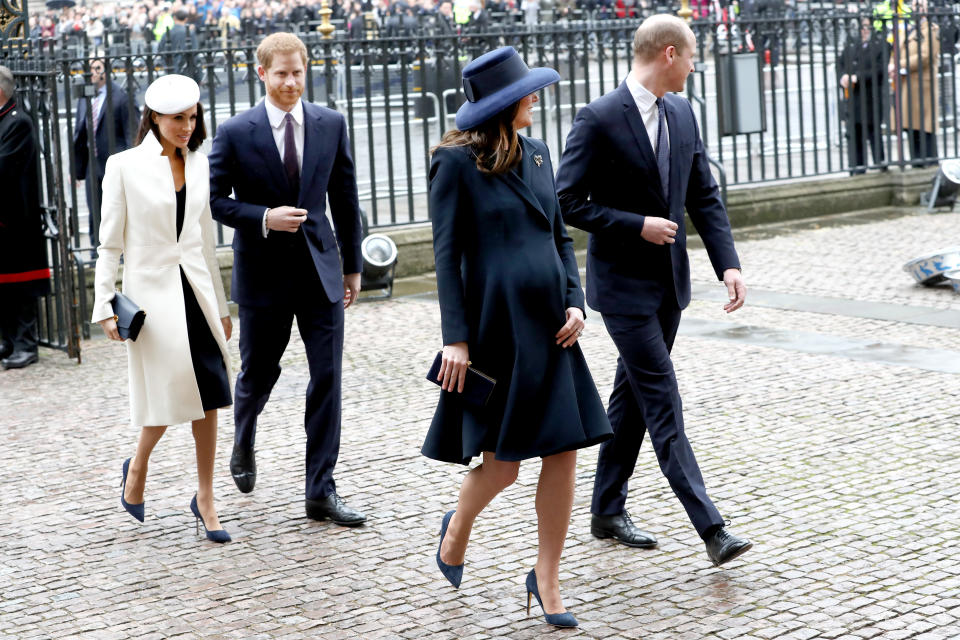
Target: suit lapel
[
  {"x": 647, "y": 157},
  {"x": 675, "y": 132},
  {"x": 523, "y": 187},
  {"x": 311, "y": 147},
  {"x": 266, "y": 146}
]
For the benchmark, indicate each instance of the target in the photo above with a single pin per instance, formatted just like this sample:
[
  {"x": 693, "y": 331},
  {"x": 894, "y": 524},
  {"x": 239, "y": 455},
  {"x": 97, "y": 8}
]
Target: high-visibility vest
[
  {"x": 883, "y": 14},
  {"x": 164, "y": 24}
]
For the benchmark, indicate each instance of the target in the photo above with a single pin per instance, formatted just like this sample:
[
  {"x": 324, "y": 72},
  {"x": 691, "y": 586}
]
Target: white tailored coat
[{"x": 139, "y": 221}]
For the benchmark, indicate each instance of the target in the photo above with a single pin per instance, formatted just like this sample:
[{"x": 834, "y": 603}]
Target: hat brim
[{"x": 473, "y": 114}]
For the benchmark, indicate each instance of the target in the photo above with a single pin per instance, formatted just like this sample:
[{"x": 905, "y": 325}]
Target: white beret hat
[{"x": 172, "y": 94}]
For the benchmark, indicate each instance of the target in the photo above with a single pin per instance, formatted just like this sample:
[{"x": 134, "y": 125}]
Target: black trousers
[
  {"x": 923, "y": 146},
  {"x": 93, "y": 183},
  {"x": 859, "y": 135},
  {"x": 645, "y": 398},
  {"x": 264, "y": 334},
  {"x": 18, "y": 322}
]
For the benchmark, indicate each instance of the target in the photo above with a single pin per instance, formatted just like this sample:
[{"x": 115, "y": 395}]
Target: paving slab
[{"x": 843, "y": 470}]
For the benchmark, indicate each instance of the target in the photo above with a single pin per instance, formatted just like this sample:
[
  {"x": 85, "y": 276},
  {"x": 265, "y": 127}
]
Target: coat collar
[
  {"x": 523, "y": 186},
  {"x": 639, "y": 131},
  {"x": 8, "y": 107},
  {"x": 312, "y": 141},
  {"x": 264, "y": 142},
  {"x": 266, "y": 146}
]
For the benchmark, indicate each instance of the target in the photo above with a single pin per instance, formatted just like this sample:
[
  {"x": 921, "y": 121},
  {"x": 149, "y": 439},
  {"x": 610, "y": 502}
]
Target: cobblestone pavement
[{"x": 844, "y": 472}]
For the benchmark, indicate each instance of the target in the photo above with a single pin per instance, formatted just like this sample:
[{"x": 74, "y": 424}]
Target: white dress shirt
[
  {"x": 277, "y": 118},
  {"x": 647, "y": 104}
]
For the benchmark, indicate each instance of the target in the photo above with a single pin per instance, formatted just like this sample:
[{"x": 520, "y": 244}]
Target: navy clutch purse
[
  {"x": 477, "y": 386},
  {"x": 128, "y": 315}
]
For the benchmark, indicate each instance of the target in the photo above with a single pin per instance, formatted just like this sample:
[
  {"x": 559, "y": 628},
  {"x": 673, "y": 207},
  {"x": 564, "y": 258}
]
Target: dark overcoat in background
[
  {"x": 506, "y": 274},
  {"x": 124, "y": 128},
  {"x": 23, "y": 248},
  {"x": 867, "y": 99}
]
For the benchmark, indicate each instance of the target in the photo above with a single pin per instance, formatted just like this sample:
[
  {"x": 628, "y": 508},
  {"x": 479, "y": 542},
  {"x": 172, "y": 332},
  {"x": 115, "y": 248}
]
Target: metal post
[
  {"x": 685, "y": 11},
  {"x": 325, "y": 28}
]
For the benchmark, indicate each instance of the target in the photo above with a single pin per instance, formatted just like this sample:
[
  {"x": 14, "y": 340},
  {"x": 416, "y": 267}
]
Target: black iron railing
[{"x": 768, "y": 94}]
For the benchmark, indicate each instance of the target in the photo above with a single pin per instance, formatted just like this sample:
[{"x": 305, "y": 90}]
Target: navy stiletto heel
[
  {"x": 453, "y": 573},
  {"x": 219, "y": 535},
  {"x": 136, "y": 510},
  {"x": 564, "y": 620}
]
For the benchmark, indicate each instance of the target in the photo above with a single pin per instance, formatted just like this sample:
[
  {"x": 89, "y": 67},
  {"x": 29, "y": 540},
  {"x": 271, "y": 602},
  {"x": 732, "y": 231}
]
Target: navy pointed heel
[
  {"x": 219, "y": 535},
  {"x": 136, "y": 510},
  {"x": 564, "y": 620},
  {"x": 453, "y": 573}
]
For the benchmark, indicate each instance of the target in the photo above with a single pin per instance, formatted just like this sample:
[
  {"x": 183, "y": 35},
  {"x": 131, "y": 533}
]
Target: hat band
[{"x": 499, "y": 76}]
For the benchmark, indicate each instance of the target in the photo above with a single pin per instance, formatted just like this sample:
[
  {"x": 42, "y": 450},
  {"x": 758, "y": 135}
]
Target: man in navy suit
[
  {"x": 634, "y": 159},
  {"x": 112, "y": 101},
  {"x": 282, "y": 159}
]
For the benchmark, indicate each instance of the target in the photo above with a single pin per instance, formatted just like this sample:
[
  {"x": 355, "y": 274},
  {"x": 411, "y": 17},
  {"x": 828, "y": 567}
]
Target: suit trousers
[
  {"x": 94, "y": 182},
  {"x": 859, "y": 135},
  {"x": 645, "y": 398},
  {"x": 18, "y": 322},
  {"x": 264, "y": 334}
]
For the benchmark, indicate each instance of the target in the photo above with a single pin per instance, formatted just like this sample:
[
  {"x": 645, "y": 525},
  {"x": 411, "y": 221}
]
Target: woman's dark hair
[
  {"x": 494, "y": 142},
  {"x": 147, "y": 124}
]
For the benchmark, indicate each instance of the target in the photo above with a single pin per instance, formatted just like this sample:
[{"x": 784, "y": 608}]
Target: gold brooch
[{"x": 538, "y": 159}]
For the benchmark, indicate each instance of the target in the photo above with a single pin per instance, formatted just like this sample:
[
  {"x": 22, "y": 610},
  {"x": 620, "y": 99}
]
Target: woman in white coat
[{"x": 156, "y": 213}]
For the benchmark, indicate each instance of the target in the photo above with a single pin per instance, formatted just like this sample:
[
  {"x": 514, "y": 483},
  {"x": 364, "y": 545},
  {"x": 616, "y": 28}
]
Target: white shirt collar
[
  {"x": 641, "y": 95},
  {"x": 276, "y": 115}
]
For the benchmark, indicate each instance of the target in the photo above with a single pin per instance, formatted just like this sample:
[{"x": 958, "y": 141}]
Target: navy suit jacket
[
  {"x": 608, "y": 182},
  {"x": 123, "y": 132},
  {"x": 244, "y": 160}
]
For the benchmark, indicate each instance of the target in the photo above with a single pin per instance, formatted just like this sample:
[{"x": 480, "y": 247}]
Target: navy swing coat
[{"x": 506, "y": 273}]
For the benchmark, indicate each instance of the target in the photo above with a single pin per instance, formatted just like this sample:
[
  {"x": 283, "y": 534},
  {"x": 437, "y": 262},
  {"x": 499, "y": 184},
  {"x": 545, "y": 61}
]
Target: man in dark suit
[
  {"x": 286, "y": 258},
  {"x": 862, "y": 71},
  {"x": 179, "y": 38},
  {"x": 634, "y": 159},
  {"x": 111, "y": 103},
  {"x": 24, "y": 275}
]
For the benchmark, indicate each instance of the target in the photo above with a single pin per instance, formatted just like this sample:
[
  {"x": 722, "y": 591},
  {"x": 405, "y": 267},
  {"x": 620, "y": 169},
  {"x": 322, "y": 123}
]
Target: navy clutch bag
[
  {"x": 477, "y": 386},
  {"x": 128, "y": 315}
]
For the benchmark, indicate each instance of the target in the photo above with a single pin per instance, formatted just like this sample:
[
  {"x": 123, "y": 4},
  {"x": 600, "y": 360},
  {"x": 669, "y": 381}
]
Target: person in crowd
[
  {"x": 510, "y": 300},
  {"x": 156, "y": 215},
  {"x": 24, "y": 272},
  {"x": 181, "y": 37},
  {"x": 634, "y": 160},
  {"x": 90, "y": 152},
  {"x": 914, "y": 69},
  {"x": 862, "y": 71},
  {"x": 282, "y": 159},
  {"x": 356, "y": 22},
  {"x": 531, "y": 12},
  {"x": 445, "y": 25}
]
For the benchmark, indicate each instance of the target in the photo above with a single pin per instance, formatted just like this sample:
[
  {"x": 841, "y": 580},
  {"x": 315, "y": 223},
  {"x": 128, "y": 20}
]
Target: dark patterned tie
[
  {"x": 290, "y": 158},
  {"x": 663, "y": 150}
]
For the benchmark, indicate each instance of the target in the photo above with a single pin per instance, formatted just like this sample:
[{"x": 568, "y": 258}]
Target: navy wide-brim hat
[{"x": 496, "y": 80}]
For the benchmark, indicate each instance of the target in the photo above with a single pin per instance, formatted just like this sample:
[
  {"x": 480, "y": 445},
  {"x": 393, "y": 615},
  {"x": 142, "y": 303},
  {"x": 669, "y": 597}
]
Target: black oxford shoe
[
  {"x": 243, "y": 468},
  {"x": 723, "y": 547},
  {"x": 620, "y": 528},
  {"x": 20, "y": 359},
  {"x": 333, "y": 508}
]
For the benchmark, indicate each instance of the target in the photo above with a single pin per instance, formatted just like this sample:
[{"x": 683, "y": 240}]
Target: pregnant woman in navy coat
[{"x": 511, "y": 306}]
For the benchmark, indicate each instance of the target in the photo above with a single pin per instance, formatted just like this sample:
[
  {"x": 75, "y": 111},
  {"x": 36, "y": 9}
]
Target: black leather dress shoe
[
  {"x": 333, "y": 508},
  {"x": 243, "y": 468},
  {"x": 723, "y": 547},
  {"x": 620, "y": 528},
  {"x": 20, "y": 359}
]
